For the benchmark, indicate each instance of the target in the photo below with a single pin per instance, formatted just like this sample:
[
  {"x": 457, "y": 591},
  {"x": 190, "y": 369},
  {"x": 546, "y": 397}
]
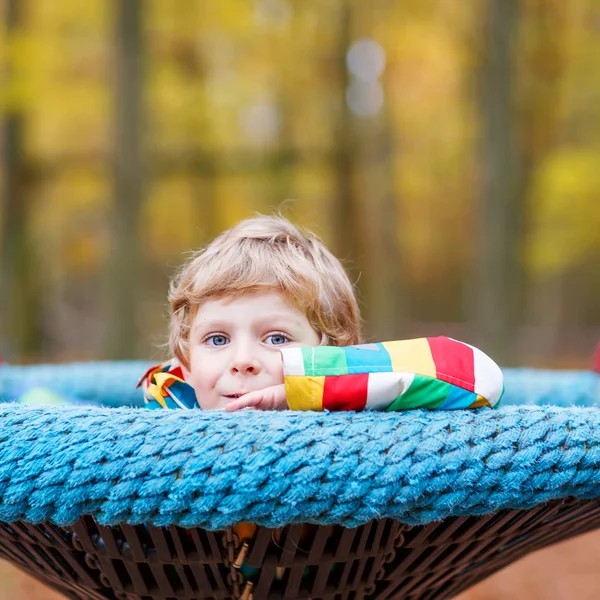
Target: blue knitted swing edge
[{"x": 123, "y": 464}]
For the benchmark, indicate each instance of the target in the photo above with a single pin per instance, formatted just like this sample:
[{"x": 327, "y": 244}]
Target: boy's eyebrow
[
  {"x": 274, "y": 318},
  {"x": 282, "y": 317},
  {"x": 211, "y": 324}
]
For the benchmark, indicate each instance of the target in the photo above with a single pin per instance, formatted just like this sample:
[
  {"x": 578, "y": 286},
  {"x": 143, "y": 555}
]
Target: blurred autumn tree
[
  {"x": 446, "y": 151},
  {"x": 20, "y": 298}
]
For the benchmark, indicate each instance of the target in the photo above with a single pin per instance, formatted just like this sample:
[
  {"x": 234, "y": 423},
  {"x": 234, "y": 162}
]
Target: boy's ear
[{"x": 186, "y": 372}]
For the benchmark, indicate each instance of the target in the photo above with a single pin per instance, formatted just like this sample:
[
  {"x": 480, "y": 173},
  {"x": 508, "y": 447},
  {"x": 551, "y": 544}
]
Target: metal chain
[{"x": 235, "y": 580}]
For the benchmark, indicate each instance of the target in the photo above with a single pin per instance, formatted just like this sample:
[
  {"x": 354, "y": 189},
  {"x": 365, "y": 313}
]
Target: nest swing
[{"x": 110, "y": 501}]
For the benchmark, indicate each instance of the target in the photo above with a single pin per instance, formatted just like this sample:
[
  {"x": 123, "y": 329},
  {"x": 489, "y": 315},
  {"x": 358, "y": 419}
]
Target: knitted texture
[{"x": 213, "y": 469}]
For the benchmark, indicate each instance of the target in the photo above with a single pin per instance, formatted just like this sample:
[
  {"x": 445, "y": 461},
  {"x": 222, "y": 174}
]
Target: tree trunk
[
  {"x": 344, "y": 207},
  {"x": 125, "y": 269},
  {"x": 385, "y": 310},
  {"x": 21, "y": 316},
  {"x": 496, "y": 285}
]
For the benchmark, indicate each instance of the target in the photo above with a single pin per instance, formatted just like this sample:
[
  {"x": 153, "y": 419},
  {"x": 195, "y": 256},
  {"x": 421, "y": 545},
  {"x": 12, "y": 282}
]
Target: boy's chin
[{"x": 219, "y": 403}]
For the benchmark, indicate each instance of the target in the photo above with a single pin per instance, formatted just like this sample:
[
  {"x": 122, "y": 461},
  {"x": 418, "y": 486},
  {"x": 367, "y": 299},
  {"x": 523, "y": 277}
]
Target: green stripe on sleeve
[
  {"x": 324, "y": 360},
  {"x": 424, "y": 392}
]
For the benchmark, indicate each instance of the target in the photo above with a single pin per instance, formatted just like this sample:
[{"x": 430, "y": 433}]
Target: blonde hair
[{"x": 266, "y": 253}]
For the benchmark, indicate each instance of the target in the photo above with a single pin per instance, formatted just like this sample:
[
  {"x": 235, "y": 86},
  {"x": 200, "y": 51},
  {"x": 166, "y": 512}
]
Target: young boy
[{"x": 265, "y": 317}]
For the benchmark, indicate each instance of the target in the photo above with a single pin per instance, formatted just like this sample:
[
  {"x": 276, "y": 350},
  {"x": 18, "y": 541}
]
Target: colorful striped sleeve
[{"x": 433, "y": 373}]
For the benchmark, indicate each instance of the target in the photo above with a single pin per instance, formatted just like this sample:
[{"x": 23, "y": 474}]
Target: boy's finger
[
  {"x": 270, "y": 398},
  {"x": 247, "y": 401}
]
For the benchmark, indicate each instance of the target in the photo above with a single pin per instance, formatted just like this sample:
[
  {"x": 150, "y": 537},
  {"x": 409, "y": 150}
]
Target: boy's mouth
[{"x": 233, "y": 396}]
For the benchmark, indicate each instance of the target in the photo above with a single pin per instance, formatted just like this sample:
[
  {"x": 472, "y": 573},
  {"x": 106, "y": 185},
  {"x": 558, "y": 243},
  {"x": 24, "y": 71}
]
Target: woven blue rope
[{"x": 213, "y": 469}]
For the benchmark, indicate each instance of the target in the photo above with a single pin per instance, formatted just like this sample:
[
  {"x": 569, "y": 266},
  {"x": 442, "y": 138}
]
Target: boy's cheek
[{"x": 278, "y": 368}]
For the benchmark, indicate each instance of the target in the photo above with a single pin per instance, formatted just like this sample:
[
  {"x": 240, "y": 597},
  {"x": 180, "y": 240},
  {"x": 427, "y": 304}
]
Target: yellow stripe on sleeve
[
  {"x": 411, "y": 356},
  {"x": 481, "y": 401},
  {"x": 304, "y": 392}
]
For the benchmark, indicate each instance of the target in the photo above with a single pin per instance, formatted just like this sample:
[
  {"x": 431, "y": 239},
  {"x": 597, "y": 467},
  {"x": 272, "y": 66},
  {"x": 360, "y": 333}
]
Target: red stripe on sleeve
[
  {"x": 454, "y": 362},
  {"x": 345, "y": 392}
]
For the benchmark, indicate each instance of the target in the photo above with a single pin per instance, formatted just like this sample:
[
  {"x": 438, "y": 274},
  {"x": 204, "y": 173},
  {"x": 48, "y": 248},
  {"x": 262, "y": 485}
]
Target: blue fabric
[
  {"x": 458, "y": 397},
  {"x": 371, "y": 356}
]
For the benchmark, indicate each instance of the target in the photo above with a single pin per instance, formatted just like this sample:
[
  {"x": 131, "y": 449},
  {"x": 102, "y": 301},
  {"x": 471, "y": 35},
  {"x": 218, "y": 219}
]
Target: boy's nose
[{"x": 245, "y": 366}]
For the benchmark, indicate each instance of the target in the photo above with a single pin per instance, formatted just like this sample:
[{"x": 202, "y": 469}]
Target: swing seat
[{"x": 102, "y": 499}]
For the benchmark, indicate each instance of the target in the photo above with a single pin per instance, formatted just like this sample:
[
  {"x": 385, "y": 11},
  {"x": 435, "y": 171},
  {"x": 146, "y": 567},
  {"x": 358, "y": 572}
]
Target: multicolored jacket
[{"x": 433, "y": 373}]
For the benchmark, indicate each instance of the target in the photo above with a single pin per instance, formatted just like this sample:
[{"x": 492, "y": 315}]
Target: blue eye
[
  {"x": 217, "y": 339},
  {"x": 277, "y": 339}
]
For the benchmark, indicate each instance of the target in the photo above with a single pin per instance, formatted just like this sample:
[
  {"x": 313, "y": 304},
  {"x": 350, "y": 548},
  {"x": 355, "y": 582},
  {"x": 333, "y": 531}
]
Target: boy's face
[{"x": 234, "y": 345}]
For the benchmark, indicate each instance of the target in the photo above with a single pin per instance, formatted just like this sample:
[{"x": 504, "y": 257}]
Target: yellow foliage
[
  {"x": 236, "y": 197},
  {"x": 70, "y": 223},
  {"x": 564, "y": 208},
  {"x": 227, "y": 80},
  {"x": 172, "y": 221}
]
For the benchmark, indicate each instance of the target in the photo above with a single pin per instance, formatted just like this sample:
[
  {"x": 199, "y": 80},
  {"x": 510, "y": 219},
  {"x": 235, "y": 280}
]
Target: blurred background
[{"x": 447, "y": 151}]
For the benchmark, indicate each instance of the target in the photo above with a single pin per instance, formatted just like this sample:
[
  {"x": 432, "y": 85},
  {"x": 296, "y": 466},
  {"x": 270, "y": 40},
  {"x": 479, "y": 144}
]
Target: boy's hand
[{"x": 271, "y": 398}]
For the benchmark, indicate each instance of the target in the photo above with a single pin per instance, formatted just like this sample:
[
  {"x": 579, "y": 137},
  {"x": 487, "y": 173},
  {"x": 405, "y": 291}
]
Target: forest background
[{"x": 446, "y": 150}]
